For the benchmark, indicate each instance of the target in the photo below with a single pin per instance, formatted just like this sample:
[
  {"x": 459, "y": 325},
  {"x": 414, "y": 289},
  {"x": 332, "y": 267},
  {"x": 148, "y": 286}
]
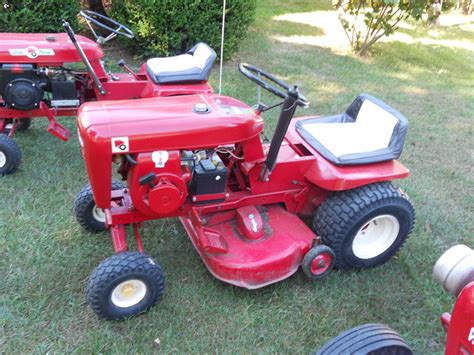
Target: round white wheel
[
  {"x": 375, "y": 237},
  {"x": 125, "y": 285},
  {"x": 99, "y": 214},
  {"x": 10, "y": 155},
  {"x": 365, "y": 226},
  {"x": 3, "y": 159},
  {"x": 89, "y": 216},
  {"x": 128, "y": 293}
]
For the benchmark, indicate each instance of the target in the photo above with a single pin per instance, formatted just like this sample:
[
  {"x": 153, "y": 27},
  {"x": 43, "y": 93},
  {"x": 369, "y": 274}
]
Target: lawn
[{"x": 46, "y": 258}]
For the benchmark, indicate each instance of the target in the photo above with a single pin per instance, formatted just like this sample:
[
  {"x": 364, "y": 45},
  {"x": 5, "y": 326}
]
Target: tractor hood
[
  {"x": 44, "y": 48},
  {"x": 190, "y": 122}
]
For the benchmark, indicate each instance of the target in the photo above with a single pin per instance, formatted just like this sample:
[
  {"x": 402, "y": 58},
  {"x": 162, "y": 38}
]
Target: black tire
[
  {"x": 322, "y": 254},
  {"x": 22, "y": 126},
  {"x": 367, "y": 339},
  {"x": 117, "y": 270},
  {"x": 345, "y": 214},
  {"x": 10, "y": 155},
  {"x": 85, "y": 208}
]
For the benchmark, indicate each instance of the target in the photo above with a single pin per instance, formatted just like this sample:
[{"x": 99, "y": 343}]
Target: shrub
[
  {"x": 37, "y": 16},
  {"x": 366, "y": 21},
  {"x": 172, "y": 26}
]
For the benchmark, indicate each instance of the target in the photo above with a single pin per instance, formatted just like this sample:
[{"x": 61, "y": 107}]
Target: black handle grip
[{"x": 69, "y": 31}]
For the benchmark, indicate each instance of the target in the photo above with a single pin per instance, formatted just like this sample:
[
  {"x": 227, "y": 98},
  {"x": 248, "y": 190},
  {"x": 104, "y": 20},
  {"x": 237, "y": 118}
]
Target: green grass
[{"x": 46, "y": 257}]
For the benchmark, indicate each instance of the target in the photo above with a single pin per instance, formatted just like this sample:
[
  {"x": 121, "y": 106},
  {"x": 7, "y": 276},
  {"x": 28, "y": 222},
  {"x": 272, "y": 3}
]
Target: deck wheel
[{"x": 318, "y": 262}]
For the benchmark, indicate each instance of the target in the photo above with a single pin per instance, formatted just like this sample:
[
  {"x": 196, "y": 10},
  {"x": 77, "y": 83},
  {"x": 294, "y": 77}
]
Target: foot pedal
[
  {"x": 58, "y": 130},
  {"x": 212, "y": 242}
]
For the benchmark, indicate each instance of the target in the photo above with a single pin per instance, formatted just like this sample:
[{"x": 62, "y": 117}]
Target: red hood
[{"x": 44, "y": 48}]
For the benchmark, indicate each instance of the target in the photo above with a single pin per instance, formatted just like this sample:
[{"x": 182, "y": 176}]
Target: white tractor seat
[
  {"x": 369, "y": 131},
  {"x": 193, "y": 66}
]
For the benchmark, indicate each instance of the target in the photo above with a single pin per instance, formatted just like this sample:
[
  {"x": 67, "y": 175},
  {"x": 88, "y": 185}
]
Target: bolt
[
  {"x": 251, "y": 216},
  {"x": 194, "y": 199},
  {"x": 321, "y": 263},
  {"x": 226, "y": 195}
]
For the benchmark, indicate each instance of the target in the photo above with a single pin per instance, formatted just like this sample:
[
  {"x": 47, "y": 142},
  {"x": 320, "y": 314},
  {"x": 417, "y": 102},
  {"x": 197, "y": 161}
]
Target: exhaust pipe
[{"x": 455, "y": 269}]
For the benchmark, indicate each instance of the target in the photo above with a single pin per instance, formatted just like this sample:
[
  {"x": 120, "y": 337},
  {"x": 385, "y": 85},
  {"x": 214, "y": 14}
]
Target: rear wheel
[
  {"x": 125, "y": 285},
  {"x": 373, "y": 339},
  {"x": 365, "y": 226},
  {"x": 89, "y": 216},
  {"x": 10, "y": 155}
]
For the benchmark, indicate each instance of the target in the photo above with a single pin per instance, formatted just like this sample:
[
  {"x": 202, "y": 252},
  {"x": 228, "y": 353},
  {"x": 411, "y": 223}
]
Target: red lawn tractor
[
  {"x": 201, "y": 158},
  {"x": 37, "y": 80},
  {"x": 454, "y": 270}
]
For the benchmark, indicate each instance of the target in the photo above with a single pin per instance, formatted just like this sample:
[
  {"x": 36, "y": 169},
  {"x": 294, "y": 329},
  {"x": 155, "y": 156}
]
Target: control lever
[{"x": 121, "y": 63}]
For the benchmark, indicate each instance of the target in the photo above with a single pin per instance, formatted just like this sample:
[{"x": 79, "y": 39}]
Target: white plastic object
[{"x": 455, "y": 269}]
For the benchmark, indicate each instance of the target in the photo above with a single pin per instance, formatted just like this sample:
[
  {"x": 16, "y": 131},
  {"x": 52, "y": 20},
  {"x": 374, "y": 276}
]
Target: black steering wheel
[
  {"x": 271, "y": 84},
  {"x": 106, "y": 23}
]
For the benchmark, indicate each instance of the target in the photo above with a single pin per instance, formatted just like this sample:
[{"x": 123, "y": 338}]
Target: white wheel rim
[
  {"x": 375, "y": 236},
  {"x": 3, "y": 159},
  {"x": 98, "y": 214},
  {"x": 128, "y": 293}
]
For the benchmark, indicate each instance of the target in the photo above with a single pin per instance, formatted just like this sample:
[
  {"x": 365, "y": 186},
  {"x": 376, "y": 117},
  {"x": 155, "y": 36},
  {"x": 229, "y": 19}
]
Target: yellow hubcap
[{"x": 128, "y": 293}]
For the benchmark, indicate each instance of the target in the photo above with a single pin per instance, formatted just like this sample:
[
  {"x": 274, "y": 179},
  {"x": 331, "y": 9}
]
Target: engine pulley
[{"x": 23, "y": 94}]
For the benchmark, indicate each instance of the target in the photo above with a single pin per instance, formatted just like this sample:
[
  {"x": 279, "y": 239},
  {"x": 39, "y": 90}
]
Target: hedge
[
  {"x": 37, "y": 16},
  {"x": 167, "y": 27}
]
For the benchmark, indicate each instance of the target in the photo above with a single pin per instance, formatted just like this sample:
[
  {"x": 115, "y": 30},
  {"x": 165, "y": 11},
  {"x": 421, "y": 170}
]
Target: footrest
[{"x": 58, "y": 130}]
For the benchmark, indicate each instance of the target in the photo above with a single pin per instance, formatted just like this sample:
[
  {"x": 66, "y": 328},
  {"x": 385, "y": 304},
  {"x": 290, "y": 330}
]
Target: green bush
[
  {"x": 37, "y": 16},
  {"x": 168, "y": 27}
]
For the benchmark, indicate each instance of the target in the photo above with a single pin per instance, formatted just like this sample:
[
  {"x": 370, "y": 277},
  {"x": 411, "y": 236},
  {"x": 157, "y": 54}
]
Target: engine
[
  {"x": 24, "y": 86},
  {"x": 161, "y": 181}
]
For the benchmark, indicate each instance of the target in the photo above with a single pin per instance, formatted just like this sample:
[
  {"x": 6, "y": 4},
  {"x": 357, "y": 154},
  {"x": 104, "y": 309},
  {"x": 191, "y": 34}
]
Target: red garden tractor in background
[
  {"x": 454, "y": 270},
  {"x": 201, "y": 158},
  {"x": 37, "y": 80}
]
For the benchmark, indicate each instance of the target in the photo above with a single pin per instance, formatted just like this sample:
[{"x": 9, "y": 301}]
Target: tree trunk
[{"x": 96, "y": 6}]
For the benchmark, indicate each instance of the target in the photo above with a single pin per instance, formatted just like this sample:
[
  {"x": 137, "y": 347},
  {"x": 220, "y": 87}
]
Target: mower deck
[{"x": 251, "y": 247}]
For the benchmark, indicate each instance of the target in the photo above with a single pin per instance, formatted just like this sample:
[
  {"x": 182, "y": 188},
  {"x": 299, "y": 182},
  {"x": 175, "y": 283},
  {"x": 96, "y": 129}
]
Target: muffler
[{"x": 455, "y": 269}]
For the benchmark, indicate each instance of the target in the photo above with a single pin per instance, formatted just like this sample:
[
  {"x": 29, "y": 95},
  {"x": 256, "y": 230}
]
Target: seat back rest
[
  {"x": 368, "y": 131},
  {"x": 391, "y": 125},
  {"x": 203, "y": 55},
  {"x": 193, "y": 66}
]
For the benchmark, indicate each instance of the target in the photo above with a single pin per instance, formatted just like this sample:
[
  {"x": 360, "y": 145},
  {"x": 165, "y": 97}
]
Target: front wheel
[
  {"x": 365, "y": 226},
  {"x": 125, "y": 285},
  {"x": 22, "y": 125},
  {"x": 89, "y": 216},
  {"x": 10, "y": 155}
]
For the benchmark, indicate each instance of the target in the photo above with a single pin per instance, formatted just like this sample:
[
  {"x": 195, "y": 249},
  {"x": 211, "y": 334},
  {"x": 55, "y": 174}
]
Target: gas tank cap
[
  {"x": 201, "y": 108},
  {"x": 51, "y": 38}
]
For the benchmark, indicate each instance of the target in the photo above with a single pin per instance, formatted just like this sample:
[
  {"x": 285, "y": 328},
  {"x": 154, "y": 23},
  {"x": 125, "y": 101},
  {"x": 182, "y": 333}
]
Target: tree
[{"x": 366, "y": 21}]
